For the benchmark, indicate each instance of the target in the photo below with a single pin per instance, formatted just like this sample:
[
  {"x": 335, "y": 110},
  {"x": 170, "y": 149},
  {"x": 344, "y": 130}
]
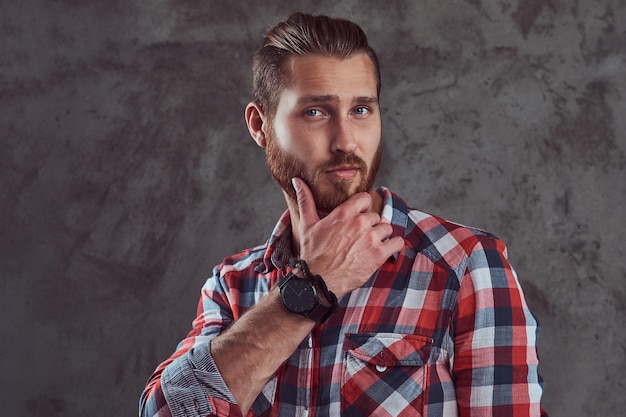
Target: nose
[{"x": 343, "y": 137}]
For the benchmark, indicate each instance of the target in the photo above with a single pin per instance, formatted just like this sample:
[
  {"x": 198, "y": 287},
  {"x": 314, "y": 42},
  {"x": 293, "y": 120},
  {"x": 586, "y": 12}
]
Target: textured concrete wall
[{"x": 126, "y": 173}]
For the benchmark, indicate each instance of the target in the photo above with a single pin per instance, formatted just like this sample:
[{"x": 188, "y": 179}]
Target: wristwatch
[{"x": 299, "y": 291}]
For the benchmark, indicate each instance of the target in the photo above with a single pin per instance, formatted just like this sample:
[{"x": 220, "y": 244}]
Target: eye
[
  {"x": 361, "y": 111},
  {"x": 313, "y": 112}
]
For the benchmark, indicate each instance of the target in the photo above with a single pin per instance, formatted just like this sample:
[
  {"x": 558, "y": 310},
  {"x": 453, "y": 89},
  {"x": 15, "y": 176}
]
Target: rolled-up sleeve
[
  {"x": 192, "y": 385},
  {"x": 189, "y": 383}
]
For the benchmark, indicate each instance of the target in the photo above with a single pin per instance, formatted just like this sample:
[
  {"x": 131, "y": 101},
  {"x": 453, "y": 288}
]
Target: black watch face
[{"x": 299, "y": 295}]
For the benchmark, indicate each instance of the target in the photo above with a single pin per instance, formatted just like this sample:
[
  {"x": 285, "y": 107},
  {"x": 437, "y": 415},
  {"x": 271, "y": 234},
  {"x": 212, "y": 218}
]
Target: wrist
[
  {"x": 301, "y": 269},
  {"x": 306, "y": 294}
]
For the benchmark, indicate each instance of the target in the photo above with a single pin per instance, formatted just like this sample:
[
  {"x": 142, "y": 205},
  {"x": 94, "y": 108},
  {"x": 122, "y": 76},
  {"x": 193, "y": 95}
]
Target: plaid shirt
[{"x": 442, "y": 329}]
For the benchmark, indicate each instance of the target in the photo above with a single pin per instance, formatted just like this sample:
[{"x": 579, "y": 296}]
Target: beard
[{"x": 284, "y": 166}]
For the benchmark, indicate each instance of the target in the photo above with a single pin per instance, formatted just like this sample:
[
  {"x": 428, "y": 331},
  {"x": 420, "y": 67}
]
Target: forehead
[{"x": 316, "y": 75}]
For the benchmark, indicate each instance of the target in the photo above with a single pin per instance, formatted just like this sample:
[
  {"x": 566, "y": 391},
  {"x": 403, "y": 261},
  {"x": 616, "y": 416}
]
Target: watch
[{"x": 300, "y": 296}]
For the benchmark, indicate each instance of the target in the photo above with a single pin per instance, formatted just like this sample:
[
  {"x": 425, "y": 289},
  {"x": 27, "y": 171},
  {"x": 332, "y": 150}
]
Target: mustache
[{"x": 342, "y": 160}]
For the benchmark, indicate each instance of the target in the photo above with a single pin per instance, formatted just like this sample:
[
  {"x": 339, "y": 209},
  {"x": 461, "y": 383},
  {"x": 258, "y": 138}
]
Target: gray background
[{"x": 127, "y": 173}]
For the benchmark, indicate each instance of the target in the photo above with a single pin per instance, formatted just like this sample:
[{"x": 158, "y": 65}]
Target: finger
[
  {"x": 372, "y": 218},
  {"x": 394, "y": 244},
  {"x": 306, "y": 204},
  {"x": 360, "y": 202},
  {"x": 383, "y": 229}
]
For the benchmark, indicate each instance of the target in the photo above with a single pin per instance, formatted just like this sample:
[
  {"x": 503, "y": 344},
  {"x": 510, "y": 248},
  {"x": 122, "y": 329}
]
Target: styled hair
[{"x": 303, "y": 34}]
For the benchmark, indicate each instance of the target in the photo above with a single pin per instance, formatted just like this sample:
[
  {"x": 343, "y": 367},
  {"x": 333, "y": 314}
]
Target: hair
[{"x": 303, "y": 34}]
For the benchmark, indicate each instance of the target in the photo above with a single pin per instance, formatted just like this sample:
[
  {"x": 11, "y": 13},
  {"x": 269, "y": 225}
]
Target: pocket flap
[{"x": 389, "y": 349}]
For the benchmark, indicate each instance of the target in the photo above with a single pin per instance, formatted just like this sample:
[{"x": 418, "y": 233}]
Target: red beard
[{"x": 284, "y": 167}]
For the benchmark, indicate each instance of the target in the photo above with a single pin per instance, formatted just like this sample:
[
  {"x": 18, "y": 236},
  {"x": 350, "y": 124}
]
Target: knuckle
[
  {"x": 341, "y": 211},
  {"x": 362, "y": 221},
  {"x": 377, "y": 252}
]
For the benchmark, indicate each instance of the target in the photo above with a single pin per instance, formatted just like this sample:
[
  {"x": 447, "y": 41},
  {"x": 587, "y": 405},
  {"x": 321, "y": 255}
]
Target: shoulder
[
  {"x": 243, "y": 260},
  {"x": 259, "y": 258},
  {"x": 241, "y": 278},
  {"x": 456, "y": 247},
  {"x": 440, "y": 231},
  {"x": 447, "y": 242}
]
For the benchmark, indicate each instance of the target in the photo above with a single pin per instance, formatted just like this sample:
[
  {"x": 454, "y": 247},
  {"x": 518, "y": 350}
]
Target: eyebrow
[{"x": 333, "y": 97}]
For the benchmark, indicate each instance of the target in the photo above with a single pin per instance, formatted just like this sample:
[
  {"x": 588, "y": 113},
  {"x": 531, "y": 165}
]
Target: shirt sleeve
[
  {"x": 189, "y": 383},
  {"x": 495, "y": 361}
]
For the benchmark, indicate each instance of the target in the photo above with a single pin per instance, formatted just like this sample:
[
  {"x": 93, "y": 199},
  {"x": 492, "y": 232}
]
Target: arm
[
  {"x": 251, "y": 351},
  {"x": 188, "y": 383},
  {"x": 223, "y": 371},
  {"x": 495, "y": 362},
  {"x": 345, "y": 248}
]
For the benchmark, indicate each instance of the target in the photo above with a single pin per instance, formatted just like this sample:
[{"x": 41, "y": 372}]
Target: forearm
[{"x": 255, "y": 346}]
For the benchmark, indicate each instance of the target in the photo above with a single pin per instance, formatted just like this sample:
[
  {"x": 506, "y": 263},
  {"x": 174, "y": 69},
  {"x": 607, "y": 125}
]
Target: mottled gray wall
[{"x": 127, "y": 172}]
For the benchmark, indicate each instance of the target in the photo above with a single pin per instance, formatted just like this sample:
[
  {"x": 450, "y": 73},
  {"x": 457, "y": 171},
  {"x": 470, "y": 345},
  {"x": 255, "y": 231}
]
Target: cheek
[
  {"x": 300, "y": 143},
  {"x": 371, "y": 142},
  {"x": 370, "y": 132}
]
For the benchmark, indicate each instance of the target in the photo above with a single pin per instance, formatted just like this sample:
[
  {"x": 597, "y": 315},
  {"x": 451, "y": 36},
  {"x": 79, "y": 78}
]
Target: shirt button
[{"x": 381, "y": 368}]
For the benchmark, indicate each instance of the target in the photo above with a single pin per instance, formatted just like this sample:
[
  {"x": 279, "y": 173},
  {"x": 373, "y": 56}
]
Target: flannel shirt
[{"x": 441, "y": 329}]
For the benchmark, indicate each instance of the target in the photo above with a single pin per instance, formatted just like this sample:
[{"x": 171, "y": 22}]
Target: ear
[{"x": 255, "y": 119}]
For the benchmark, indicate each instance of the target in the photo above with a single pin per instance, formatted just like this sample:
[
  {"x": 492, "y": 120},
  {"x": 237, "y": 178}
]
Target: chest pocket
[{"x": 384, "y": 374}]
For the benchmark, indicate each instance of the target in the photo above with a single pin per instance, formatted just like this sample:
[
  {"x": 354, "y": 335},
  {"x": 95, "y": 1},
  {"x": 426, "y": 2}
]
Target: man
[{"x": 356, "y": 305}]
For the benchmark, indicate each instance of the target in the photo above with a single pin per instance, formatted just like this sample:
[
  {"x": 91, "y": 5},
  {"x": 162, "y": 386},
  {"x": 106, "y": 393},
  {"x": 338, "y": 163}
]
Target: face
[{"x": 326, "y": 129}]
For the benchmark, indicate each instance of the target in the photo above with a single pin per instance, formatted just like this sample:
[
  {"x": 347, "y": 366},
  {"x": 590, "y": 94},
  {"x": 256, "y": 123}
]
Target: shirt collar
[
  {"x": 395, "y": 212},
  {"x": 278, "y": 250}
]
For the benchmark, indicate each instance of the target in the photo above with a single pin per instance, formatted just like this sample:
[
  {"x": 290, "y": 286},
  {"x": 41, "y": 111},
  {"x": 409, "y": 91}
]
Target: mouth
[{"x": 343, "y": 172}]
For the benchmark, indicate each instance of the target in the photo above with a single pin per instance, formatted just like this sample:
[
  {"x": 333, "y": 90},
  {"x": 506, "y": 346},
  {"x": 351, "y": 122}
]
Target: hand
[{"x": 347, "y": 246}]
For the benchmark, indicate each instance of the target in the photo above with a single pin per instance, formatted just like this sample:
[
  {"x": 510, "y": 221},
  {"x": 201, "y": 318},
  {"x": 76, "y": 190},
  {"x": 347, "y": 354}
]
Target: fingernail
[{"x": 296, "y": 185}]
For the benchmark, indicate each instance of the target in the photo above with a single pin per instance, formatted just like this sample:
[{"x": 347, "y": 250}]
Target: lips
[
  {"x": 343, "y": 171},
  {"x": 342, "y": 167}
]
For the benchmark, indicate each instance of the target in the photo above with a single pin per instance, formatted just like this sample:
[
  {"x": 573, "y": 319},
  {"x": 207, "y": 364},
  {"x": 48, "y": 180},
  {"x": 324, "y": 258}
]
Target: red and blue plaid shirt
[{"x": 441, "y": 329}]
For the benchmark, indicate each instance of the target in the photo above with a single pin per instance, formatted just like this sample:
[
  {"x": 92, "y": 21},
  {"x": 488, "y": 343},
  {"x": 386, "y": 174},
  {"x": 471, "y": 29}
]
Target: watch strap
[
  {"x": 317, "y": 280},
  {"x": 320, "y": 312}
]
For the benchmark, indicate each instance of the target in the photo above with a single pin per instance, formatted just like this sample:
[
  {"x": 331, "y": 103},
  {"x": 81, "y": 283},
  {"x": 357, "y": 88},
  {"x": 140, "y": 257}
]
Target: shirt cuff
[{"x": 191, "y": 380}]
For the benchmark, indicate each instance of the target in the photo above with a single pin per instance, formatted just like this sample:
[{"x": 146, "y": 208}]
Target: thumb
[{"x": 306, "y": 204}]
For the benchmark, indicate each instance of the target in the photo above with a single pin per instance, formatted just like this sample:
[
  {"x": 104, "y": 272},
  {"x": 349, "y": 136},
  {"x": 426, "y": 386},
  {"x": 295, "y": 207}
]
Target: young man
[{"x": 356, "y": 305}]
